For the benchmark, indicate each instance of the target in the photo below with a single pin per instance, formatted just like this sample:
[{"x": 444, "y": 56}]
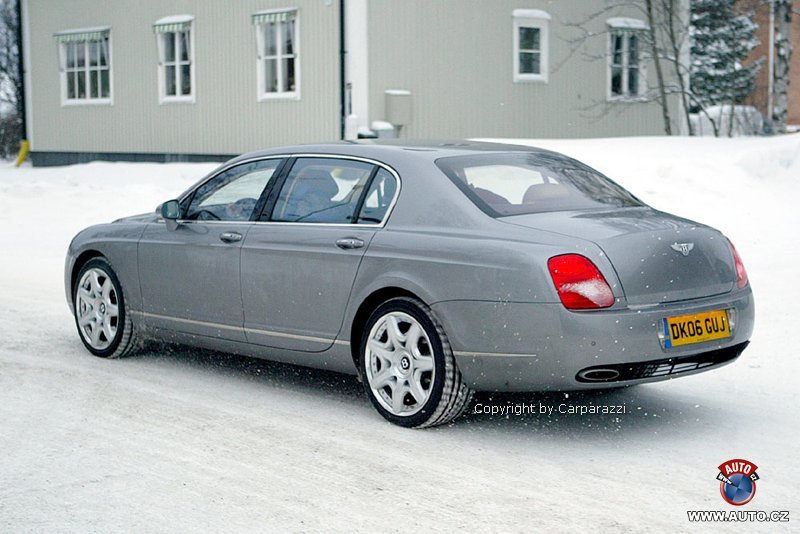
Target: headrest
[
  {"x": 540, "y": 192},
  {"x": 315, "y": 182}
]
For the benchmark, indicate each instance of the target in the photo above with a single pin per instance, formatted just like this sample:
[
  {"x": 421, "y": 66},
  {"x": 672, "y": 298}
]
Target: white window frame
[
  {"x": 83, "y": 37},
  {"x": 625, "y": 28},
  {"x": 173, "y": 27},
  {"x": 538, "y": 19},
  {"x": 261, "y": 59}
]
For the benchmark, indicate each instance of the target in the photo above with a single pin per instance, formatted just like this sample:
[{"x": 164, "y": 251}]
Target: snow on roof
[
  {"x": 627, "y": 23},
  {"x": 174, "y": 19},
  {"x": 531, "y": 14},
  {"x": 83, "y": 30}
]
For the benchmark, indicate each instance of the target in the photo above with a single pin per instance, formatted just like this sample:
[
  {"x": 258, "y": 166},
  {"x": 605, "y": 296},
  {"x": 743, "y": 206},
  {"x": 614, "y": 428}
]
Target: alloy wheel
[
  {"x": 97, "y": 308},
  {"x": 400, "y": 366}
]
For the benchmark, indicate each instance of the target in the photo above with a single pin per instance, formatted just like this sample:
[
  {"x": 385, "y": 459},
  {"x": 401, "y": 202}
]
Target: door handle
[
  {"x": 347, "y": 243},
  {"x": 230, "y": 237}
]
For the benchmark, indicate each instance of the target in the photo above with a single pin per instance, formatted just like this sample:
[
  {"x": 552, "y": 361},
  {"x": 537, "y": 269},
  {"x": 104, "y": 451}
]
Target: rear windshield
[{"x": 518, "y": 183}]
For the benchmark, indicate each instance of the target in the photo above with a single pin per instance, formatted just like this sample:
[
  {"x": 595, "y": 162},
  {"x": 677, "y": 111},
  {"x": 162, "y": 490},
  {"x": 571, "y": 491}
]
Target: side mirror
[{"x": 170, "y": 211}]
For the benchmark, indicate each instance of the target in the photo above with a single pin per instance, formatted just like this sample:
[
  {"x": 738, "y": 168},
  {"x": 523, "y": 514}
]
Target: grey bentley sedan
[{"x": 429, "y": 270}]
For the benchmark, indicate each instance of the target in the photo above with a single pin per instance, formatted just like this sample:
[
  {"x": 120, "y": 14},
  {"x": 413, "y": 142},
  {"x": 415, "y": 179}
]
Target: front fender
[{"x": 118, "y": 244}]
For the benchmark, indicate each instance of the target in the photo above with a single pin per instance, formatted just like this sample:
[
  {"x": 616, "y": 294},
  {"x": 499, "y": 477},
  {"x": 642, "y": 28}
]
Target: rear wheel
[
  {"x": 100, "y": 314},
  {"x": 410, "y": 373}
]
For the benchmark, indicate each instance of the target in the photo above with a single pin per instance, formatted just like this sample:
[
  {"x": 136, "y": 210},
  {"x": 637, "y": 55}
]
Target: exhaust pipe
[{"x": 598, "y": 375}]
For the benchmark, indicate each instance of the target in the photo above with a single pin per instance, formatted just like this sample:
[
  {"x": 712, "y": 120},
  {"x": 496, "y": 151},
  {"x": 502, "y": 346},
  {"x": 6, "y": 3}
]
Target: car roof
[{"x": 393, "y": 148}]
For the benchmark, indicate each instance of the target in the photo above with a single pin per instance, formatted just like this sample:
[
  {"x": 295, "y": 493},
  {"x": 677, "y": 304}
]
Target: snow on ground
[{"x": 190, "y": 440}]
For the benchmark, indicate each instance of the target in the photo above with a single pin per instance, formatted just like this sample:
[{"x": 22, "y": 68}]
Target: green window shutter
[
  {"x": 264, "y": 18},
  {"x": 175, "y": 27},
  {"x": 82, "y": 36}
]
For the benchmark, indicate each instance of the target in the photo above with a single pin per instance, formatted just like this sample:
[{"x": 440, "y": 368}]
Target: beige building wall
[
  {"x": 226, "y": 117},
  {"x": 454, "y": 56},
  {"x": 457, "y": 61}
]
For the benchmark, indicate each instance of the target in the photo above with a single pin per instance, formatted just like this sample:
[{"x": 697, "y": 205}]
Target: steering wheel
[
  {"x": 241, "y": 209},
  {"x": 205, "y": 215}
]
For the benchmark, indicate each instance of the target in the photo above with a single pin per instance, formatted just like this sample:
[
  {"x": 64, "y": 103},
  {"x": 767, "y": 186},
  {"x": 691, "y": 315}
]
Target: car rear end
[
  {"x": 636, "y": 295},
  {"x": 519, "y": 346}
]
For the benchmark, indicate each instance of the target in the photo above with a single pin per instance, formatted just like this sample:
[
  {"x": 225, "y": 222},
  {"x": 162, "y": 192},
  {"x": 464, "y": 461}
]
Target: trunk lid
[{"x": 658, "y": 257}]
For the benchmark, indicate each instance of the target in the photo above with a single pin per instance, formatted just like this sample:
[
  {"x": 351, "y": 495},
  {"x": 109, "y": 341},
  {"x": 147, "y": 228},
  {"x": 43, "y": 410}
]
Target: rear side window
[
  {"x": 379, "y": 198},
  {"x": 322, "y": 190},
  {"x": 515, "y": 183}
]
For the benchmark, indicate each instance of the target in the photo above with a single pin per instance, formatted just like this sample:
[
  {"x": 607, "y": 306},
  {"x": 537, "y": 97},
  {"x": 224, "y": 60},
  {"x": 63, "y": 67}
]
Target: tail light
[
  {"x": 741, "y": 274},
  {"x": 580, "y": 285}
]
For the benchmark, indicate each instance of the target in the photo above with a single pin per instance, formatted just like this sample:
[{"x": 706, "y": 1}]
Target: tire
[
  {"x": 410, "y": 373},
  {"x": 102, "y": 320}
]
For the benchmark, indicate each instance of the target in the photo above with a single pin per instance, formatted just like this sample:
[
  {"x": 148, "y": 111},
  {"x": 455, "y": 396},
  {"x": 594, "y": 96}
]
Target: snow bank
[{"x": 731, "y": 121}]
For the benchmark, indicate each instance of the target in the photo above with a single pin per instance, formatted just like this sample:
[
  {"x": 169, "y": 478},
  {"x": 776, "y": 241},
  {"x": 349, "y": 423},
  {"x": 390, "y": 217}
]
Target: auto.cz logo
[
  {"x": 737, "y": 485},
  {"x": 737, "y": 481},
  {"x": 737, "y": 516}
]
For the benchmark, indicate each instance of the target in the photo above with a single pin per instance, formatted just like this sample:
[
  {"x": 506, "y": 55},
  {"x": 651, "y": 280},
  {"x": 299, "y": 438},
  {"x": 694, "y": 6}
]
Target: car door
[
  {"x": 190, "y": 276},
  {"x": 299, "y": 264}
]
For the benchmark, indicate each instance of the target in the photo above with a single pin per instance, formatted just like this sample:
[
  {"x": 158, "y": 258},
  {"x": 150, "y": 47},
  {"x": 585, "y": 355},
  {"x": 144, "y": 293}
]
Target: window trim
[
  {"x": 626, "y": 27},
  {"x": 261, "y": 94},
  {"x": 532, "y": 18},
  {"x": 188, "y": 25},
  {"x": 63, "y": 40},
  {"x": 282, "y": 172}
]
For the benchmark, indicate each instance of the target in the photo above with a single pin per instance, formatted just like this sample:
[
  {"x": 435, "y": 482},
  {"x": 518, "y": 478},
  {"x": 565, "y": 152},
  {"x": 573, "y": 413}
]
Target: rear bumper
[{"x": 539, "y": 347}]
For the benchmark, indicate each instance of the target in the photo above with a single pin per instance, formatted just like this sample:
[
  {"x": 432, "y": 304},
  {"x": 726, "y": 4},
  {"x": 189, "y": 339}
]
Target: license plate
[{"x": 696, "y": 328}]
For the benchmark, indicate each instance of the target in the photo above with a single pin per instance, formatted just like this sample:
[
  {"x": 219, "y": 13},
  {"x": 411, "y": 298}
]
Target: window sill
[
  {"x": 87, "y": 102},
  {"x": 627, "y": 99},
  {"x": 530, "y": 78},
  {"x": 268, "y": 97},
  {"x": 177, "y": 100}
]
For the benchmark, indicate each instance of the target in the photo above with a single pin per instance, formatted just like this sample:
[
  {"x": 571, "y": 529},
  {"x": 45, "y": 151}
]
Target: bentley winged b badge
[{"x": 683, "y": 248}]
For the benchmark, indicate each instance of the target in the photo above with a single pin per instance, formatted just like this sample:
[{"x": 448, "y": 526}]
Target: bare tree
[
  {"x": 664, "y": 39},
  {"x": 675, "y": 19},
  {"x": 783, "y": 53},
  {"x": 668, "y": 40},
  {"x": 10, "y": 79},
  {"x": 651, "y": 22}
]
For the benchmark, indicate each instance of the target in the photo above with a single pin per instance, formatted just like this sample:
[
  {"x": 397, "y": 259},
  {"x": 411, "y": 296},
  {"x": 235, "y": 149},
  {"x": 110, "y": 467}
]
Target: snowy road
[{"x": 190, "y": 440}]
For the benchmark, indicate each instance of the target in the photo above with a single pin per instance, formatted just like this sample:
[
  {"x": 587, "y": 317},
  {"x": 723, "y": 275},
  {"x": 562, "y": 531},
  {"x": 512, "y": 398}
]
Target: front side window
[
  {"x": 514, "y": 184},
  {"x": 85, "y": 67},
  {"x": 530, "y": 45},
  {"x": 175, "y": 59},
  {"x": 625, "y": 64},
  {"x": 233, "y": 194},
  {"x": 277, "y": 54},
  {"x": 322, "y": 190}
]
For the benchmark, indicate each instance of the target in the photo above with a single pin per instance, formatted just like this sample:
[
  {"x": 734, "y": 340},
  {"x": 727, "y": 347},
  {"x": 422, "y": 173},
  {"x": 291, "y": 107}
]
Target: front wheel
[
  {"x": 103, "y": 323},
  {"x": 410, "y": 373}
]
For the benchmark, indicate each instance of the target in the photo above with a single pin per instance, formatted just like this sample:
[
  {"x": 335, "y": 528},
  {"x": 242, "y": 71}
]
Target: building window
[
  {"x": 626, "y": 74},
  {"x": 531, "y": 45},
  {"x": 278, "y": 67},
  {"x": 175, "y": 58},
  {"x": 85, "y": 57}
]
